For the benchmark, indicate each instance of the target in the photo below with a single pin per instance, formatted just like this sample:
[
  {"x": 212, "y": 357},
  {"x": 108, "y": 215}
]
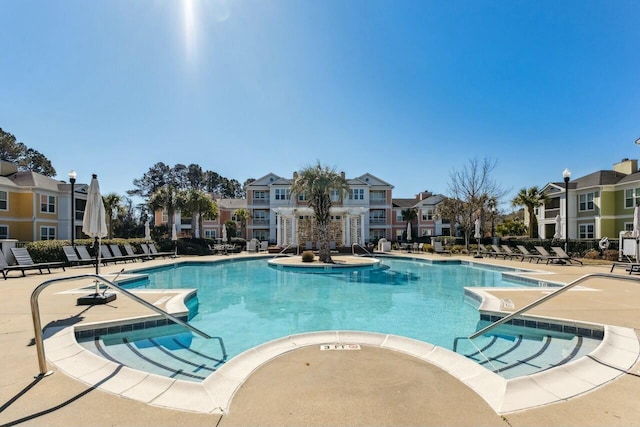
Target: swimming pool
[{"x": 247, "y": 303}]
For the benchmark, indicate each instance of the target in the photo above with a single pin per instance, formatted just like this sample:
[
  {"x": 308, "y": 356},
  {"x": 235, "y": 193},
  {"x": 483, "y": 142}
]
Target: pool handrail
[
  {"x": 290, "y": 245},
  {"x": 37, "y": 325},
  {"x": 353, "y": 252},
  {"x": 548, "y": 297}
]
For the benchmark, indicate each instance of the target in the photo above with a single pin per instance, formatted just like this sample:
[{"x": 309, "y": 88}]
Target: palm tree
[
  {"x": 409, "y": 215},
  {"x": 241, "y": 215},
  {"x": 531, "y": 199},
  {"x": 199, "y": 205},
  {"x": 166, "y": 197},
  {"x": 111, "y": 206},
  {"x": 317, "y": 183}
]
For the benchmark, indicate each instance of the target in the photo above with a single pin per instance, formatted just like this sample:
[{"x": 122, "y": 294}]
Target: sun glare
[{"x": 189, "y": 15}]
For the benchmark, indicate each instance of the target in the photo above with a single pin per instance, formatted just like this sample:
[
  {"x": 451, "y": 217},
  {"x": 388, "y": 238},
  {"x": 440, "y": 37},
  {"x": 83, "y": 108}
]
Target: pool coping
[{"x": 619, "y": 351}]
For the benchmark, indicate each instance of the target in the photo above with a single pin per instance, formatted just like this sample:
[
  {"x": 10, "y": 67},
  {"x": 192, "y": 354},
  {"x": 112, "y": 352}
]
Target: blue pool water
[{"x": 247, "y": 303}]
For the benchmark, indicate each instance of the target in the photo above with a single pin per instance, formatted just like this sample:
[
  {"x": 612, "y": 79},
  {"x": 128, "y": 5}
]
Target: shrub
[
  {"x": 307, "y": 256},
  {"x": 592, "y": 254},
  {"x": 611, "y": 255}
]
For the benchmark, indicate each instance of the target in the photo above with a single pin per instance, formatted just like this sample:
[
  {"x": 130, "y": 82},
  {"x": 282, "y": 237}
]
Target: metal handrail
[
  {"x": 37, "y": 325},
  {"x": 548, "y": 297},
  {"x": 353, "y": 252},
  {"x": 282, "y": 252}
]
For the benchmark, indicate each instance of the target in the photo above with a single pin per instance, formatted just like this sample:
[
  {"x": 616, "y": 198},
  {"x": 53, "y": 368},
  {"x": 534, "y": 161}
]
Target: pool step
[
  {"x": 175, "y": 355},
  {"x": 516, "y": 355}
]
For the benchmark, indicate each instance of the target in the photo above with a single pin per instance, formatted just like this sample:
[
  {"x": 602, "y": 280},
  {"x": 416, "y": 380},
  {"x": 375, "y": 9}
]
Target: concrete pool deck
[{"x": 306, "y": 386}]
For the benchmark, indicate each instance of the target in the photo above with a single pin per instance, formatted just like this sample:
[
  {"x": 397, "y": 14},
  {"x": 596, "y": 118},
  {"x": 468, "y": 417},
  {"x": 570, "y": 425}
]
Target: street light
[
  {"x": 566, "y": 174},
  {"x": 72, "y": 180}
]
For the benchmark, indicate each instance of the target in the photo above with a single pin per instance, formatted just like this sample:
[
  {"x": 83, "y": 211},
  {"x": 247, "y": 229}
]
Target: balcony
[
  {"x": 260, "y": 202},
  {"x": 261, "y": 222},
  {"x": 551, "y": 213},
  {"x": 378, "y": 202},
  {"x": 377, "y": 221}
]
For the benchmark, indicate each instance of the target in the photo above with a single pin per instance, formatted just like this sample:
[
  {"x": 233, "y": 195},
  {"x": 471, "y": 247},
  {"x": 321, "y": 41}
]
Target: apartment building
[
  {"x": 37, "y": 207},
  {"x": 426, "y": 224},
  {"x": 600, "y": 204},
  {"x": 361, "y": 216}
]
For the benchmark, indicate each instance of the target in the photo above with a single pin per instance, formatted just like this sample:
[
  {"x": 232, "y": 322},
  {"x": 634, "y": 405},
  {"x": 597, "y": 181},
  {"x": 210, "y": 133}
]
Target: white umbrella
[
  {"x": 408, "y": 231},
  {"x": 147, "y": 232},
  {"x": 558, "y": 233},
  {"x": 94, "y": 222},
  {"x": 174, "y": 237},
  {"x": 196, "y": 231},
  {"x": 477, "y": 234},
  {"x": 224, "y": 233}
]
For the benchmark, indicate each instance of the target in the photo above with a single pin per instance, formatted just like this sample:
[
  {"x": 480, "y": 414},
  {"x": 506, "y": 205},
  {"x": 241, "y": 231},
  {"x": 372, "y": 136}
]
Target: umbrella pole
[{"x": 96, "y": 245}]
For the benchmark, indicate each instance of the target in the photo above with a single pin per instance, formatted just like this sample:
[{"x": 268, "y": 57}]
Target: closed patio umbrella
[
  {"x": 224, "y": 233},
  {"x": 147, "y": 232},
  {"x": 174, "y": 237},
  {"x": 196, "y": 228},
  {"x": 477, "y": 235},
  {"x": 558, "y": 233},
  {"x": 408, "y": 231},
  {"x": 94, "y": 225}
]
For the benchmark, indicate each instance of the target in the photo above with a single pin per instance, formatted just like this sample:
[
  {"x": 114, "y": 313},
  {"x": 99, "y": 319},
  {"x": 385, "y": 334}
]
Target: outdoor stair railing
[
  {"x": 35, "y": 314},
  {"x": 290, "y": 245},
  {"x": 547, "y": 298},
  {"x": 353, "y": 252}
]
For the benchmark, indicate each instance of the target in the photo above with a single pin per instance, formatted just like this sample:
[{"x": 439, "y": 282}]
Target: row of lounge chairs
[
  {"x": 112, "y": 253},
  {"x": 559, "y": 256}
]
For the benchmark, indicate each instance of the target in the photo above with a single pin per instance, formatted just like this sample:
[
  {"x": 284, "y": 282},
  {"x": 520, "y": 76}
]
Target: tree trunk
[{"x": 324, "y": 253}]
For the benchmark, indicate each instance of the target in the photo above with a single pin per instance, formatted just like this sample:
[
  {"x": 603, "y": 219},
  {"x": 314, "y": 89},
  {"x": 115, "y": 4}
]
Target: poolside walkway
[{"x": 374, "y": 386}]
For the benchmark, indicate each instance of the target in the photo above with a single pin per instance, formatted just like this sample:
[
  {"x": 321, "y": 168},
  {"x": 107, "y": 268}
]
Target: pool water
[{"x": 247, "y": 303}]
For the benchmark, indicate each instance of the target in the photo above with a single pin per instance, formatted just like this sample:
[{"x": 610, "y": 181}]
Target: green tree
[
  {"x": 409, "y": 215},
  {"x": 530, "y": 198},
  {"x": 200, "y": 206},
  {"x": 317, "y": 183},
  {"x": 166, "y": 198},
  {"x": 242, "y": 215},
  {"x": 27, "y": 159},
  {"x": 111, "y": 203}
]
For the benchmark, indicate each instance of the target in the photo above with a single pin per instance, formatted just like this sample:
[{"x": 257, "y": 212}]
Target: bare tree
[{"x": 473, "y": 187}]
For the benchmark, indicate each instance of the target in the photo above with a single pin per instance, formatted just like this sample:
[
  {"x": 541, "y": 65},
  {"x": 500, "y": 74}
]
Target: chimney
[
  {"x": 295, "y": 175},
  {"x": 342, "y": 175},
  {"x": 626, "y": 166}
]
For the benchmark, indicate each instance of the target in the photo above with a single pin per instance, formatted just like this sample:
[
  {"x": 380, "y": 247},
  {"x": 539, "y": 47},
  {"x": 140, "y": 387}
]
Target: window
[
  {"x": 586, "y": 231},
  {"x": 399, "y": 217},
  {"x": 357, "y": 194},
  {"x": 4, "y": 232},
  {"x": 282, "y": 194},
  {"x": 378, "y": 196},
  {"x": 335, "y": 195},
  {"x": 209, "y": 234},
  {"x": 47, "y": 233},
  {"x": 47, "y": 204},
  {"x": 586, "y": 202},
  {"x": 631, "y": 197},
  {"x": 378, "y": 216},
  {"x": 259, "y": 195},
  {"x": 302, "y": 197},
  {"x": 260, "y": 216},
  {"x": 165, "y": 216},
  {"x": 628, "y": 226},
  {"x": 4, "y": 201},
  {"x": 377, "y": 234},
  {"x": 427, "y": 214}
]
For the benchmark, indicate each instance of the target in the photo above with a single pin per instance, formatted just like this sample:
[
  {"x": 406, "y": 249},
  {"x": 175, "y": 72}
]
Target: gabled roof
[
  {"x": 403, "y": 203},
  {"x": 630, "y": 178},
  {"x": 265, "y": 180},
  {"x": 373, "y": 180},
  {"x": 36, "y": 180},
  {"x": 601, "y": 177}
]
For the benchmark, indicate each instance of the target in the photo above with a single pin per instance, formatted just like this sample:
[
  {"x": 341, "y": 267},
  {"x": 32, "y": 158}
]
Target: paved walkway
[{"x": 374, "y": 386}]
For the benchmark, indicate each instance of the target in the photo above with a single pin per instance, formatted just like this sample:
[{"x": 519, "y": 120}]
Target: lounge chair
[
  {"x": 525, "y": 254},
  {"x": 84, "y": 254},
  {"x": 630, "y": 266},
  {"x": 564, "y": 256},
  {"x": 546, "y": 256},
  {"x": 156, "y": 253},
  {"x": 439, "y": 249},
  {"x": 509, "y": 252},
  {"x": 497, "y": 252},
  {"x": 252, "y": 245},
  {"x": 73, "y": 258},
  {"x": 117, "y": 253},
  {"x": 23, "y": 258},
  {"x": 485, "y": 251},
  {"x": 264, "y": 246},
  {"x": 131, "y": 253},
  {"x": 6, "y": 268}
]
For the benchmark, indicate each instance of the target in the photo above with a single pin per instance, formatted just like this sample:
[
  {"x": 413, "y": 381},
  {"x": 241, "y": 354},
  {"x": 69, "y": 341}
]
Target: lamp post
[
  {"x": 72, "y": 180},
  {"x": 566, "y": 174}
]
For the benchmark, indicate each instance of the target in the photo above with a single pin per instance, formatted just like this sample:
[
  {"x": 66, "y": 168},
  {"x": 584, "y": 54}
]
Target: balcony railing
[
  {"x": 377, "y": 221},
  {"x": 551, "y": 213},
  {"x": 260, "y": 222},
  {"x": 378, "y": 201},
  {"x": 261, "y": 202}
]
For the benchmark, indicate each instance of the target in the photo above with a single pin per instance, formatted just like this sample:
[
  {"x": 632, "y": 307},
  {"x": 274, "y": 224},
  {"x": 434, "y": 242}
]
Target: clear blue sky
[{"x": 406, "y": 90}]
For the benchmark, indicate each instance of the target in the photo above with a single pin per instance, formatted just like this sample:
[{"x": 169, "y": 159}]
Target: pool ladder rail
[
  {"x": 536, "y": 303},
  {"x": 37, "y": 324}
]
